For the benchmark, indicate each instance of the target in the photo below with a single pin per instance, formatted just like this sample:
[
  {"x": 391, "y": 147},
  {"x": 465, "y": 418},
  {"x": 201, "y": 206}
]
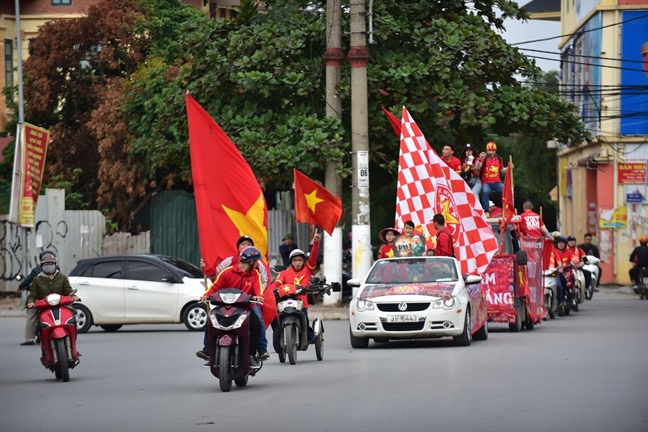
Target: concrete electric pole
[
  {"x": 333, "y": 58},
  {"x": 358, "y": 58}
]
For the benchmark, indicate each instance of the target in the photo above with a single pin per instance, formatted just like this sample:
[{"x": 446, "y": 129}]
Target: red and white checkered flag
[{"x": 427, "y": 186}]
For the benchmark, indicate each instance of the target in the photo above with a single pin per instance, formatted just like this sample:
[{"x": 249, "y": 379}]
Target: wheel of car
[
  {"x": 482, "y": 333},
  {"x": 358, "y": 342},
  {"x": 465, "y": 337},
  {"x": 111, "y": 328},
  {"x": 195, "y": 317},
  {"x": 83, "y": 318}
]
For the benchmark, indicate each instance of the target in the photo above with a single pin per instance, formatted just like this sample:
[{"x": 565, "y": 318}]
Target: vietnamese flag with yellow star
[
  {"x": 229, "y": 200},
  {"x": 314, "y": 204},
  {"x": 507, "y": 196}
]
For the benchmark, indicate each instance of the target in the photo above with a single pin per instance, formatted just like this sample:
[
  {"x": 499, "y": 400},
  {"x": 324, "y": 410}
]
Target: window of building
[
  {"x": 8, "y": 46},
  {"x": 61, "y": 2}
]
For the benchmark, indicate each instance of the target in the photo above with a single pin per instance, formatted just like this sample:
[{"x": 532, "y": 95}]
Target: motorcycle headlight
[
  {"x": 230, "y": 298},
  {"x": 239, "y": 322},
  {"x": 53, "y": 299},
  {"x": 362, "y": 305}
]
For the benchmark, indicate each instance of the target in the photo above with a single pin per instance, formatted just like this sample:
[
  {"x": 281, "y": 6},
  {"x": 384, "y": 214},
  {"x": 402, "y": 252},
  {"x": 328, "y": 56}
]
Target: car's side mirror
[
  {"x": 354, "y": 282},
  {"x": 473, "y": 279},
  {"x": 522, "y": 257},
  {"x": 169, "y": 277}
]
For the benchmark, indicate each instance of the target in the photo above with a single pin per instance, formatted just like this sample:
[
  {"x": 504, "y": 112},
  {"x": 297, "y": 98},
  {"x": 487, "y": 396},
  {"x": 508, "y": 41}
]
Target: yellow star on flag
[
  {"x": 251, "y": 223},
  {"x": 312, "y": 200},
  {"x": 286, "y": 289},
  {"x": 449, "y": 218}
]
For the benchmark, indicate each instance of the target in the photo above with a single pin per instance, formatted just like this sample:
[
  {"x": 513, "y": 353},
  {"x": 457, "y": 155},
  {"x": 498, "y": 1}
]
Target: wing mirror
[
  {"x": 353, "y": 282},
  {"x": 20, "y": 277},
  {"x": 522, "y": 257},
  {"x": 169, "y": 277},
  {"x": 473, "y": 279},
  {"x": 336, "y": 287}
]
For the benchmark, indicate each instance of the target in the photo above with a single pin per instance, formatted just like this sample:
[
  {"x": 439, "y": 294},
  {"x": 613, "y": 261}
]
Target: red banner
[
  {"x": 535, "y": 280},
  {"x": 632, "y": 173},
  {"x": 35, "y": 141},
  {"x": 499, "y": 285}
]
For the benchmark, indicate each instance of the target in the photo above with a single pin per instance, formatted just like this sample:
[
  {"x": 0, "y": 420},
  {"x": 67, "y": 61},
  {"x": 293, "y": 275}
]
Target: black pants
[
  {"x": 255, "y": 332},
  {"x": 635, "y": 273},
  {"x": 588, "y": 278}
]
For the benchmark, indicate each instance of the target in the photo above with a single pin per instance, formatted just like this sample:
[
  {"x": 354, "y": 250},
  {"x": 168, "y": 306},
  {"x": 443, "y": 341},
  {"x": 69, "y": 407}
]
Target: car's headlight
[
  {"x": 362, "y": 305},
  {"x": 447, "y": 303},
  {"x": 230, "y": 298},
  {"x": 53, "y": 299}
]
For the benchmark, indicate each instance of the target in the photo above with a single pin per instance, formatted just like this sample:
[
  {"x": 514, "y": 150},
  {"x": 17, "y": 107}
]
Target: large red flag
[
  {"x": 314, "y": 204},
  {"x": 507, "y": 196},
  {"x": 427, "y": 186},
  {"x": 393, "y": 121},
  {"x": 229, "y": 201}
]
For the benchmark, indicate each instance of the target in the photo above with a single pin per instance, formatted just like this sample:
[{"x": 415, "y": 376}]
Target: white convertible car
[{"x": 417, "y": 297}]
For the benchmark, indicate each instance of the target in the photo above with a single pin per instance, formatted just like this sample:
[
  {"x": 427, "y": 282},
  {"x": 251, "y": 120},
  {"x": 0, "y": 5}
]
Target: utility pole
[
  {"x": 358, "y": 58},
  {"x": 18, "y": 162},
  {"x": 333, "y": 58}
]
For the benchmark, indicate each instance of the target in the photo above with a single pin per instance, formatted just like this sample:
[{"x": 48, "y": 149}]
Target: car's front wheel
[
  {"x": 111, "y": 328},
  {"x": 358, "y": 342},
  {"x": 83, "y": 318},
  {"x": 482, "y": 333},
  {"x": 465, "y": 337},
  {"x": 195, "y": 317}
]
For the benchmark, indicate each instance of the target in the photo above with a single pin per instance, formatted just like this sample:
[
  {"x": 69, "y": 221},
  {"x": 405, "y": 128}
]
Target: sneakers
[
  {"x": 312, "y": 340},
  {"x": 596, "y": 290},
  {"x": 263, "y": 355},
  {"x": 254, "y": 364},
  {"x": 202, "y": 355}
]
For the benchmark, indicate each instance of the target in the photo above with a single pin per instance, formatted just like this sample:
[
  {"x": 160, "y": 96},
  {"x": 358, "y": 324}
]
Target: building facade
[{"x": 604, "y": 72}]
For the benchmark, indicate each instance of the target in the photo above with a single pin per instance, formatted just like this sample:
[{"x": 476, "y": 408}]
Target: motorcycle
[
  {"x": 550, "y": 292},
  {"x": 291, "y": 332},
  {"x": 593, "y": 268},
  {"x": 579, "y": 287},
  {"x": 570, "y": 293},
  {"x": 229, "y": 338},
  {"x": 58, "y": 335}
]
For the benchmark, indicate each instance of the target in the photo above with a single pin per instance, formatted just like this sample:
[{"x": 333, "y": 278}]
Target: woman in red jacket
[{"x": 387, "y": 236}]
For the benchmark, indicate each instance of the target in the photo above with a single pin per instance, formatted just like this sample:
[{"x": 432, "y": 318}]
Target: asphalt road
[{"x": 585, "y": 372}]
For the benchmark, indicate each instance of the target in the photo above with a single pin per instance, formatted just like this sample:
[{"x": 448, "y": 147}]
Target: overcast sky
[{"x": 517, "y": 31}]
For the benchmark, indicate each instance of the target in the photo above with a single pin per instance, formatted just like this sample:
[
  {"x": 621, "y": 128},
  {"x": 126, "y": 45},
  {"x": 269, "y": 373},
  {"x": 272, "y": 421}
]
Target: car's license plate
[{"x": 403, "y": 318}]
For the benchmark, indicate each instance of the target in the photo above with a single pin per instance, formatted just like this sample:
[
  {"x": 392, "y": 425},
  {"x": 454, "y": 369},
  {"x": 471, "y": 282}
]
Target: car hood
[{"x": 437, "y": 289}]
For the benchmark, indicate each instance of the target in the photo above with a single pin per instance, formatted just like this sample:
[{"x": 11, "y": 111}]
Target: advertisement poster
[
  {"x": 535, "y": 278},
  {"x": 407, "y": 246},
  {"x": 498, "y": 285},
  {"x": 34, "y": 151},
  {"x": 616, "y": 218},
  {"x": 634, "y": 73},
  {"x": 632, "y": 173}
]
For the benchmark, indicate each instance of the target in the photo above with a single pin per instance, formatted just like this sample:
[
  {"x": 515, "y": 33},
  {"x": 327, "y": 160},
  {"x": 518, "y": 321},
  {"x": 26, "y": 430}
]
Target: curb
[{"x": 332, "y": 316}]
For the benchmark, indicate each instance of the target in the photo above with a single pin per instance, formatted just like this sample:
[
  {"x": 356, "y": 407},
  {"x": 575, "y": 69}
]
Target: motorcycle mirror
[
  {"x": 336, "y": 287},
  {"x": 20, "y": 277}
]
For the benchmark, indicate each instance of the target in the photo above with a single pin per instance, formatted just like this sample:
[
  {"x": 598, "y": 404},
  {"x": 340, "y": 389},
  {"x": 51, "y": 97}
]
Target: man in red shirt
[
  {"x": 245, "y": 277},
  {"x": 448, "y": 157},
  {"x": 531, "y": 224},
  {"x": 444, "y": 239},
  {"x": 560, "y": 257},
  {"x": 491, "y": 172}
]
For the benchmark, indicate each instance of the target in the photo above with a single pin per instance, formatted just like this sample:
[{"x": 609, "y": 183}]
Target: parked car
[
  {"x": 417, "y": 297},
  {"x": 137, "y": 289}
]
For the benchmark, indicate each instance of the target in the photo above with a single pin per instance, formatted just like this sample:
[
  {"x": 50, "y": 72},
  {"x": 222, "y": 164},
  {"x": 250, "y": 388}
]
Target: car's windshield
[
  {"x": 413, "y": 270},
  {"x": 184, "y": 267}
]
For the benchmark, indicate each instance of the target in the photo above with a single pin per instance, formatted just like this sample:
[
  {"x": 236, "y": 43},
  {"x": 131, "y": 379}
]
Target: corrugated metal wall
[
  {"x": 174, "y": 229},
  {"x": 124, "y": 243}
]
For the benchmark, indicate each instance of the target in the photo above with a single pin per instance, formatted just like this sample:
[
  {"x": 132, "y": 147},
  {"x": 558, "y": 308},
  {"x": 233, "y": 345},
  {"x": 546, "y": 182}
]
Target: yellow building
[
  {"x": 604, "y": 72},
  {"x": 34, "y": 13}
]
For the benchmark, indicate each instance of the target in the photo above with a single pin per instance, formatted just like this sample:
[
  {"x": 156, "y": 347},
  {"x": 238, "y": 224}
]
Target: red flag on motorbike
[
  {"x": 229, "y": 201},
  {"x": 314, "y": 204}
]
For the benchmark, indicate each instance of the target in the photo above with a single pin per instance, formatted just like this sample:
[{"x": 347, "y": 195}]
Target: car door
[
  {"x": 101, "y": 288},
  {"x": 148, "y": 298}
]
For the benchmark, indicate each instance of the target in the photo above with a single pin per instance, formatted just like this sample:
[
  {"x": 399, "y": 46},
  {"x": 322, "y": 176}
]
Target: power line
[
  {"x": 587, "y": 64},
  {"x": 583, "y": 56},
  {"x": 580, "y": 32}
]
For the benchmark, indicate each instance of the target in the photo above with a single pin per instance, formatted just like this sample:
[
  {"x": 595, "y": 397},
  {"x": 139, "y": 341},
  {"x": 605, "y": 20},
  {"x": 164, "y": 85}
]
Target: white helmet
[{"x": 297, "y": 252}]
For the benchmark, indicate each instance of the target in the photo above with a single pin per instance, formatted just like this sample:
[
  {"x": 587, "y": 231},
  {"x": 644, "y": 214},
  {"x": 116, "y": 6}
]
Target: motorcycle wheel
[
  {"x": 242, "y": 382},
  {"x": 576, "y": 301},
  {"x": 319, "y": 347},
  {"x": 561, "y": 310},
  {"x": 590, "y": 291},
  {"x": 281, "y": 352},
  {"x": 63, "y": 360},
  {"x": 224, "y": 375},
  {"x": 567, "y": 310},
  {"x": 291, "y": 343}
]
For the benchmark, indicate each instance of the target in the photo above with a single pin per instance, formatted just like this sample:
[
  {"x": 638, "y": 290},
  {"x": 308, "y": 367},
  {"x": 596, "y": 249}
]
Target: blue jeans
[
  {"x": 559, "y": 288},
  {"x": 263, "y": 342},
  {"x": 487, "y": 188}
]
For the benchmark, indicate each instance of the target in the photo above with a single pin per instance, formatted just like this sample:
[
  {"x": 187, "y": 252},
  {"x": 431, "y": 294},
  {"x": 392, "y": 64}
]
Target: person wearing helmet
[
  {"x": 23, "y": 289},
  {"x": 491, "y": 172},
  {"x": 49, "y": 280},
  {"x": 560, "y": 258},
  {"x": 299, "y": 273},
  {"x": 246, "y": 277},
  {"x": 639, "y": 260},
  {"x": 243, "y": 242},
  {"x": 579, "y": 259}
]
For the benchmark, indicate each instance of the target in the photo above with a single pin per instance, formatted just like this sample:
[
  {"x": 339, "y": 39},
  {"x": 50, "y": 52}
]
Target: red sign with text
[
  {"x": 535, "y": 279},
  {"x": 34, "y": 150},
  {"x": 499, "y": 286},
  {"x": 632, "y": 173}
]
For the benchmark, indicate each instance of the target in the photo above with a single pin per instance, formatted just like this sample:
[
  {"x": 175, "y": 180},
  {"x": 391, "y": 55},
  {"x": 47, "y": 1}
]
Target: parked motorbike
[
  {"x": 229, "y": 338},
  {"x": 58, "y": 335},
  {"x": 291, "y": 334},
  {"x": 593, "y": 268}
]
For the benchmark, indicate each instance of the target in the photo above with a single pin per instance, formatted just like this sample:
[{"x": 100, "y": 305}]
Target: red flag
[
  {"x": 547, "y": 250},
  {"x": 427, "y": 186},
  {"x": 507, "y": 196},
  {"x": 393, "y": 120},
  {"x": 314, "y": 204},
  {"x": 229, "y": 201},
  {"x": 269, "y": 308}
]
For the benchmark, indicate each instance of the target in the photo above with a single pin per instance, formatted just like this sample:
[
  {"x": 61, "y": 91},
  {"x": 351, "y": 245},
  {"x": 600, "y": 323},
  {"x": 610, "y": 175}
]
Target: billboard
[{"x": 634, "y": 73}]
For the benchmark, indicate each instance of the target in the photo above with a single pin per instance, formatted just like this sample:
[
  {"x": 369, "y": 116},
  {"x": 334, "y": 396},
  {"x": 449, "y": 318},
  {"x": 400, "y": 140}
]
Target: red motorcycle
[
  {"x": 58, "y": 334},
  {"x": 229, "y": 338}
]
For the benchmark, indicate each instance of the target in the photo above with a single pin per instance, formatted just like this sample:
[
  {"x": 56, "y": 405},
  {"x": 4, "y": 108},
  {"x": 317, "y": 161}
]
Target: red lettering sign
[{"x": 632, "y": 173}]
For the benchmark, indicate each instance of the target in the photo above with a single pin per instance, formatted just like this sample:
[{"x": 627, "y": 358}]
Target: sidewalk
[{"x": 10, "y": 307}]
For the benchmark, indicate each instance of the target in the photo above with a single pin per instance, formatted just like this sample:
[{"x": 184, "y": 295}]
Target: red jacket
[
  {"x": 301, "y": 277},
  {"x": 232, "y": 277},
  {"x": 444, "y": 243},
  {"x": 386, "y": 251},
  {"x": 560, "y": 258}
]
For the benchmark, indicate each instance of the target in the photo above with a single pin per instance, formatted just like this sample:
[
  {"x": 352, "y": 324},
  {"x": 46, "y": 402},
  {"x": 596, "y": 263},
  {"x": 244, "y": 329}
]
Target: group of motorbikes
[{"x": 576, "y": 291}]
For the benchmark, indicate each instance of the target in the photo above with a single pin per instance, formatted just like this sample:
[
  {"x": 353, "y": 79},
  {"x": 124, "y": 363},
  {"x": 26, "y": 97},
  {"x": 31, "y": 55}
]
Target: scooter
[
  {"x": 569, "y": 300},
  {"x": 579, "y": 288},
  {"x": 594, "y": 269},
  {"x": 229, "y": 338},
  {"x": 291, "y": 334},
  {"x": 58, "y": 335},
  {"x": 550, "y": 292}
]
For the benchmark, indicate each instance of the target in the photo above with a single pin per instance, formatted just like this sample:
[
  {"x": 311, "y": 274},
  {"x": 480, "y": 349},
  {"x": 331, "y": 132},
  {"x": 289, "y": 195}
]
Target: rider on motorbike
[
  {"x": 579, "y": 259},
  {"x": 245, "y": 277},
  {"x": 560, "y": 257},
  {"x": 299, "y": 273},
  {"x": 639, "y": 260}
]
